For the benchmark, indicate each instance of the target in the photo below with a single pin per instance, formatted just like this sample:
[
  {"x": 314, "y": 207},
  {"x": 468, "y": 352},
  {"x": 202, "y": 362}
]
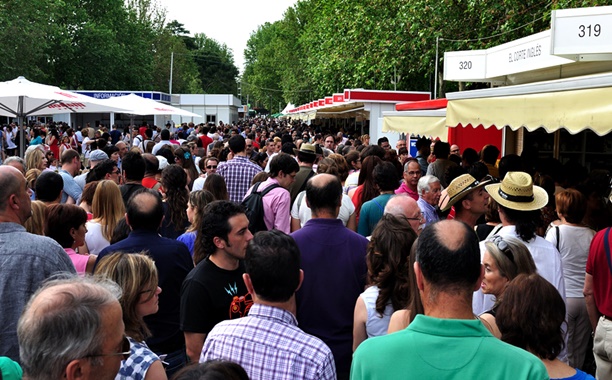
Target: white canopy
[
  {"x": 20, "y": 98},
  {"x": 138, "y": 105}
]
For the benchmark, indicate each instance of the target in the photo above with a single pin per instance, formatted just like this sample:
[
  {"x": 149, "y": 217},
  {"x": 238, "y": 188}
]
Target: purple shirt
[
  {"x": 269, "y": 345},
  {"x": 333, "y": 260},
  {"x": 276, "y": 205},
  {"x": 238, "y": 174}
]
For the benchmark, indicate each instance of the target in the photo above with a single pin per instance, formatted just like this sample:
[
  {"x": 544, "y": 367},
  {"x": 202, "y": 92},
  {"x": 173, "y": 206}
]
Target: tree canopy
[{"x": 324, "y": 46}]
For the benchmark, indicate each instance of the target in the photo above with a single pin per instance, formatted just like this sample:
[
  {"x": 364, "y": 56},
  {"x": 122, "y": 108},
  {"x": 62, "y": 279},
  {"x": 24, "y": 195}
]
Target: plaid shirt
[
  {"x": 238, "y": 174},
  {"x": 268, "y": 345}
]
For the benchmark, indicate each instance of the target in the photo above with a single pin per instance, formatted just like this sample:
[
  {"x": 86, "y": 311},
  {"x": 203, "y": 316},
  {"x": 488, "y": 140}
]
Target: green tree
[{"x": 216, "y": 66}]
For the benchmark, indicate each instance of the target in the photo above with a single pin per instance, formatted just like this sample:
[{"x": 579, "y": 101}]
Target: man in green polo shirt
[{"x": 448, "y": 342}]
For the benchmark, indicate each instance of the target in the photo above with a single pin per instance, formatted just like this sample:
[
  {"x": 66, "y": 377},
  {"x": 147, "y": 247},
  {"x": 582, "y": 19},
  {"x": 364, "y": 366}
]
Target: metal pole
[
  {"x": 171, "y": 67},
  {"x": 436, "y": 71}
]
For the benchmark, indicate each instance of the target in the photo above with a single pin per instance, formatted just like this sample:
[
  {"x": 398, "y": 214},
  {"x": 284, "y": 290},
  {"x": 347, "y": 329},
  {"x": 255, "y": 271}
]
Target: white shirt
[
  {"x": 547, "y": 260},
  {"x": 302, "y": 212},
  {"x": 94, "y": 238},
  {"x": 159, "y": 145},
  {"x": 574, "y": 249}
]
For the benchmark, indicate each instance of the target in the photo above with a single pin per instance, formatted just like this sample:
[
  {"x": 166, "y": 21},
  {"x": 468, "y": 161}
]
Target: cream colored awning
[
  {"x": 430, "y": 123},
  {"x": 574, "y": 104}
]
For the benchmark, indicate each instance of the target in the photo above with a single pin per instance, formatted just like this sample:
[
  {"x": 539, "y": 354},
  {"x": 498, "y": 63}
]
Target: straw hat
[
  {"x": 517, "y": 192},
  {"x": 306, "y": 148},
  {"x": 459, "y": 188}
]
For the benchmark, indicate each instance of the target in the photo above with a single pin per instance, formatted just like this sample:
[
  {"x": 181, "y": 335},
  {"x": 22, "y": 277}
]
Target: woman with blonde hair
[
  {"x": 31, "y": 176},
  {"x": 36, "y": 160},
  {"x": 36, "y": 223},
  {"x": 136, "y": 274},
  {"x": 108, "y": 209}
]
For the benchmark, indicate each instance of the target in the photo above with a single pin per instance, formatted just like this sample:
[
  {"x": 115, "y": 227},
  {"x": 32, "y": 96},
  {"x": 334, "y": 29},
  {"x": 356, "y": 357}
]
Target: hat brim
[
  {"x": 540, "y": 199},
  {"x": 460, "y": 195},
  {"x": 296, "y": 151}
]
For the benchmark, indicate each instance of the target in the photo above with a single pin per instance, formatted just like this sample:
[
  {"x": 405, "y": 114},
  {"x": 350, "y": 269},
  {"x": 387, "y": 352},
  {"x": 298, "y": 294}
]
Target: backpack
[{"x": 253, "y": 204}]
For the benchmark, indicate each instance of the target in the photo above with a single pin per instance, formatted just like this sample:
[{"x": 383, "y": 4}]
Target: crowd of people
[{"x": 269, "y": 249}]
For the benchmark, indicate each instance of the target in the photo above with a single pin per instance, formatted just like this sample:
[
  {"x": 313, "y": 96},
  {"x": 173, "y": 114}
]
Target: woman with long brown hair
[
  {"x": 388, "y": 282},
  {"x": 176, "y": 199}
]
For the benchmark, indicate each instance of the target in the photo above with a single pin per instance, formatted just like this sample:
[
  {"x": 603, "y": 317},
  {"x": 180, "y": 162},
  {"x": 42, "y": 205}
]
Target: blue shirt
[
  {"x": 71, "y": 188},
  {"x": 429, "y": 212}
]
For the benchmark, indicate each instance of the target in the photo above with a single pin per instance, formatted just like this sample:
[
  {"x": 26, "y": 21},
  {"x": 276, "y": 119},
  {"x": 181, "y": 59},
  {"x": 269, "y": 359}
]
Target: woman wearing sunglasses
[
  {"x": 136, "y": 274},
  {"x": 503, "y": 260}
]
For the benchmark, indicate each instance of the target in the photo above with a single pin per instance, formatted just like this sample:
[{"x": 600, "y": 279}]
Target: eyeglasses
[
  {"x": 501, "y": 244},
  {"x": 418, "y": 172},
  {"x": 125, "y": 350},
  {"x": 115, "y": 172},
  {"x": 420, "y": 218}
]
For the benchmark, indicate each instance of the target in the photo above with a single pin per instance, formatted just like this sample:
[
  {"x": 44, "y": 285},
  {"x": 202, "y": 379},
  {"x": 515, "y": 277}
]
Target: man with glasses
[
  {"x": 383, "y": 142},
  {"x": 207, "y": 166},
  {"x": 404, "y": 206},
  {"x": 250, "y": 152},
  {"x": 91, "y": 346},
  {"x": 412, "y": 174}
]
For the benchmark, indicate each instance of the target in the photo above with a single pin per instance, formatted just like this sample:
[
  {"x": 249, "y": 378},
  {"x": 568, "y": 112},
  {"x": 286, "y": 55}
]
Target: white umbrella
[
  {"x": 21, "y": 98},
  {"x": 138, "y": 105}
]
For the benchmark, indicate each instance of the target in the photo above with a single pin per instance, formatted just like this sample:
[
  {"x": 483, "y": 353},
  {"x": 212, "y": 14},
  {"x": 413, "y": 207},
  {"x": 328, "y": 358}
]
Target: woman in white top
[
  {"x": 9, "y": 135},
  {"x": 108, "y": 209},
  {"x": 388, "y": 281},
  {"x": 300, "y": 212},
  {"x": 573, "y": 240}
]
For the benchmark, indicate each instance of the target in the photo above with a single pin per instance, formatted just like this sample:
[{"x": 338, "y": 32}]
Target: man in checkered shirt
[
  {"x": 239, "y": 171},
  {"x": 267, "y": 343}
]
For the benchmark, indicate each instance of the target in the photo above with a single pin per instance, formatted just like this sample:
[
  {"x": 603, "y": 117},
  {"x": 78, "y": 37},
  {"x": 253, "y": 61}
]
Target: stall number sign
[
  {"x": 464, "y": 65},
  {"x": 582, "y": 31}
]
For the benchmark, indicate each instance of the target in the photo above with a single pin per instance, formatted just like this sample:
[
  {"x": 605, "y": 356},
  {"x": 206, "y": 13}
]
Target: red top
[
  {"x": 149, "y": 182},
  {"x": 205, "y": 141},
  {"x": 597, "y": 266}
]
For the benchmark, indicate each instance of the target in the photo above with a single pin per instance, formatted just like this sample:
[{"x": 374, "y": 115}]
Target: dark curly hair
[
  {"x": 388, "y": 261},
  {"x": 530, "y": 315},
  {"x": 214, "y": 222},
  {"x": 174, "y": 181}
]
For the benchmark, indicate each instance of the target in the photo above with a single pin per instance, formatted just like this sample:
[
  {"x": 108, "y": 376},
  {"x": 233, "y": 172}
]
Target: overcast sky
[{"x": 228, "y": 21}]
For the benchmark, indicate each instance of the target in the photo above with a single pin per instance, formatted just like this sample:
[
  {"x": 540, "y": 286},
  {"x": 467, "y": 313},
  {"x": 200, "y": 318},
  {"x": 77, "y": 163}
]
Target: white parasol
[
  {"x": 138, "y": 105},
  {"x": 21, "y": 98}
]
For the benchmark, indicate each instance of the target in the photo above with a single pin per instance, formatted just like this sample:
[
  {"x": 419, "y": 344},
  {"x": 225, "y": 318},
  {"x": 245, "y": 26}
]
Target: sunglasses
[
  {"x": 503, "y": 247},
  {"x": 211, "y": 167},
  {"x": 125, "y": 350}
]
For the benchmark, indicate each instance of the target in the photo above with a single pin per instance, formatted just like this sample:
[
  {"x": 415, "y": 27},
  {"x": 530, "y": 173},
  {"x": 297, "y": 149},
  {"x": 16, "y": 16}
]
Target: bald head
[
  {"x": 145, "y": 210},
  {"x": 405, "y": 206},
  {"x": 449, "y": 257},
  {"x": 15, "y": 204},
  {"x": 324, "y": 193}
]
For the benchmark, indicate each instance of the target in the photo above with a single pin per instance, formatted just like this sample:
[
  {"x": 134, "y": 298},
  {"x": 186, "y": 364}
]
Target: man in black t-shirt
[{"x": 214, "y": 290}]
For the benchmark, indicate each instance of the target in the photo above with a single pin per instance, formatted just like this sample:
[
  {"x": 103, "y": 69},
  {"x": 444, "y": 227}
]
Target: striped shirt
[
  {"x": 238, "y": 174},
  {"x": 268, "y": 345}
]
